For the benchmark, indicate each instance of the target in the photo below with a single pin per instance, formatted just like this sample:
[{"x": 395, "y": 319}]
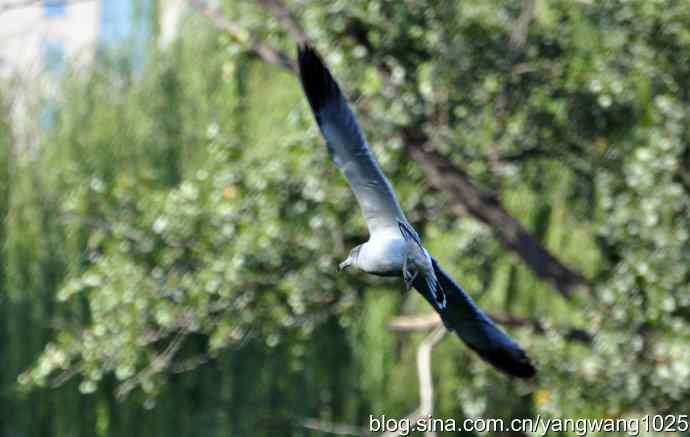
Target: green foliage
[{"x": 174, "y": 244}]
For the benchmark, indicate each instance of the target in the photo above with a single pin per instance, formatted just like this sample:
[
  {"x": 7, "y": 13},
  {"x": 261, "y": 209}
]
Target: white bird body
[{"x": 385, "y": 252}]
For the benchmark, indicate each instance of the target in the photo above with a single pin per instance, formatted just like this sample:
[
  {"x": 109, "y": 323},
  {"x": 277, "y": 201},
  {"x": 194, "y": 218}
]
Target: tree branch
[
  {"x": 426, "y": 322},
  {"x": 285, "y": 17},
  {"x": 261, "y": 50},
  {"x": 443, "y": 174},
  {"x": 426, "y": 384},
  {"x": 426, "y": 395},
  {"x": 518, "y": 37},
  {"x": 487, "y": 208}
]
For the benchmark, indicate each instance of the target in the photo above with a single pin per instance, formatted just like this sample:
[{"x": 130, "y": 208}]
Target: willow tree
[{"x": 190, "y": 238}]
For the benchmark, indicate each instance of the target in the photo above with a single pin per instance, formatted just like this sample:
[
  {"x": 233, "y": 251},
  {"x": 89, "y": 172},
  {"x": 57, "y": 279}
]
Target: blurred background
[{"x": 171, "y": 222}]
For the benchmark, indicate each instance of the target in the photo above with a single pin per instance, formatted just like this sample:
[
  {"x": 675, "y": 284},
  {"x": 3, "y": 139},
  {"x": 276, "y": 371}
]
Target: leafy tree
[{"x": 174, "y": 244}]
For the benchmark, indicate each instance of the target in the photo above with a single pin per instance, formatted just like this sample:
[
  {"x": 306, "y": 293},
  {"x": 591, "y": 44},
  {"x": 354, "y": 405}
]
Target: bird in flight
[{"x": 394, "y": 248}]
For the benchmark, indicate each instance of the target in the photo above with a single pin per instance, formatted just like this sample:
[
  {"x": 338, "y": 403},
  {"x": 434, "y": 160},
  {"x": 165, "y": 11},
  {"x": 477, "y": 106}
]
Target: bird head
[{"x": 351, "y": 259}]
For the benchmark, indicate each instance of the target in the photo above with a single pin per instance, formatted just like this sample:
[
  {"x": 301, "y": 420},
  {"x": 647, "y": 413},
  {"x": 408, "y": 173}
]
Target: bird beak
[{"x": 345, "y": 264}]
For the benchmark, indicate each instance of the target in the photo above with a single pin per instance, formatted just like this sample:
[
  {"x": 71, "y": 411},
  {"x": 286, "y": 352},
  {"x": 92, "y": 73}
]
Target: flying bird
[{"x": 394, "y": 247}]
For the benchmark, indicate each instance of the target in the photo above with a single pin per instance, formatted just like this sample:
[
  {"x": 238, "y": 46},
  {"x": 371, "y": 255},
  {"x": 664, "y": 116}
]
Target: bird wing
[
  {"x": 347, "y": 145},
  {"x": 475, "y": 328}
]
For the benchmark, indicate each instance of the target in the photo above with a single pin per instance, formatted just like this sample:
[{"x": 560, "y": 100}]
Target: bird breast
[{"x": 383, "y": 255}]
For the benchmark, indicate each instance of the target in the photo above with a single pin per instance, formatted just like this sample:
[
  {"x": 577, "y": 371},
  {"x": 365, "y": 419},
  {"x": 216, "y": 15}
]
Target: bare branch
[
  {"x": 415, "y": 323},
  {"x": 426, "y": 384},
  {"x": 429, "y": 321},
  {"x": 263, "y": 51},
  {"x": 426, "y": 394},
  {"x": 518, "y": 37},
  {"x": 285, "y": 17}
]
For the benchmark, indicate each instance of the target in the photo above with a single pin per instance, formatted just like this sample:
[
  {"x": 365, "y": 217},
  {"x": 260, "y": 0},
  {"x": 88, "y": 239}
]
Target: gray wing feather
[{"x": 347, "y": 145}]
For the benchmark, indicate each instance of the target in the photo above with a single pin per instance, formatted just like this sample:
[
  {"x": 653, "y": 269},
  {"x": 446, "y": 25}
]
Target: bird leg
[
  {"x": 408, "y": 276},
  {"x": 345, "y": 264}
]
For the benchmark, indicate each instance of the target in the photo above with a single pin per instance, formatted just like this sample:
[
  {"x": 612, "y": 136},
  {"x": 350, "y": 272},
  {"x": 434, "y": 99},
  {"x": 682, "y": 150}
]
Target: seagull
[{"x": 394, "y": 247}]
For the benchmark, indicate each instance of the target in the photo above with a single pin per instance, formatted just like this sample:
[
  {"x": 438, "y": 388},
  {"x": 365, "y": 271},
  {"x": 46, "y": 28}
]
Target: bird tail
[{"x": 475, "y": 329}]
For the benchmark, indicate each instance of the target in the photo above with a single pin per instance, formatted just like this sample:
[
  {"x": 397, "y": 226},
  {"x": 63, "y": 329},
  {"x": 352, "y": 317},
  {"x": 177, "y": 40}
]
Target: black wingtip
[
  {"x": 478, "y": 332},
  {"x": 319, "y": 85}
]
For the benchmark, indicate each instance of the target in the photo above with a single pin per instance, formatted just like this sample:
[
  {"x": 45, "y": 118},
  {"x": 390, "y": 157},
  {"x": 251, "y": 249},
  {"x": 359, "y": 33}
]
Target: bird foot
[{"x": 409, "y": 278}]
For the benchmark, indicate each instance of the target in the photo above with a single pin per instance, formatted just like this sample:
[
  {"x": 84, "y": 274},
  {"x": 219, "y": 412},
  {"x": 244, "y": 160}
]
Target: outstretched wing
[
  {"x": 347, "y": 144},
  {"x": 475, "y": 328}
]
